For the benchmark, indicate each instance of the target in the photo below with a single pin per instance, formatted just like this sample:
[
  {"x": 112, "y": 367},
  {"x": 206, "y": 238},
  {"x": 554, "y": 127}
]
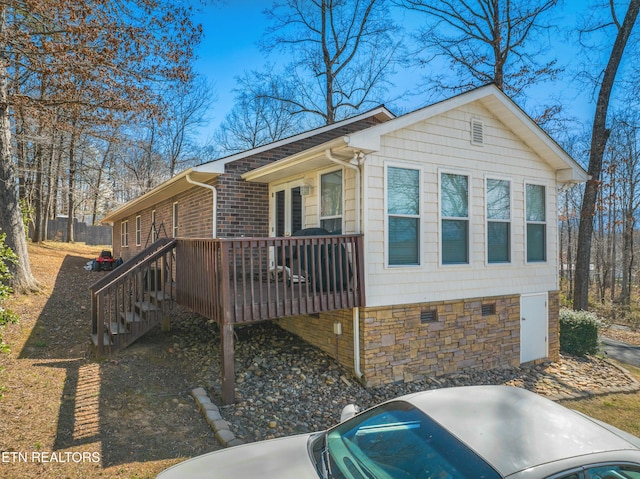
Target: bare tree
[
  {"x": 257, "y": 118},
  {"x": 485, "y": 41},
  {"x": 625, "y": 150},
  {"x": 114, "y": 49},
  {"x": 342, "y": 53},
  {"x": 599, "y": 136},
  {"x": 186, "y": 106}
]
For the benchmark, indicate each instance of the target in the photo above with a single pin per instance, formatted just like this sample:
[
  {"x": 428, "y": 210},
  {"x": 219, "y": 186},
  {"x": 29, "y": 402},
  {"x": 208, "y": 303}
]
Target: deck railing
[
  {"x": 133, "y": 298},
  {"x": 253, "y": 279}
]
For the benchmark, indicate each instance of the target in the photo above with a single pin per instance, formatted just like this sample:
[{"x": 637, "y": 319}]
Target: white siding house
[{"x": 457, "y": 203}]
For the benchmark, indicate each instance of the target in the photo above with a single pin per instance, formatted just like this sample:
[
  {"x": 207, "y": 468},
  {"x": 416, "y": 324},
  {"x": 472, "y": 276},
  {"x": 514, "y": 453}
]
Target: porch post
[
  {"x": 226, "y": 328},
  {"x": 228, "y": 373}
]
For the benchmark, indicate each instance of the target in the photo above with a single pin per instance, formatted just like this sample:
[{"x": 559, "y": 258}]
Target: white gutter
[
  {"x": 215, "y": 200},
  {"x": 355, "y": 311}
]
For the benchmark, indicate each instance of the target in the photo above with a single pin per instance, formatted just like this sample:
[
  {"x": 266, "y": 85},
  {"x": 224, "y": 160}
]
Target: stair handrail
[{"x": 159, "y": 247}]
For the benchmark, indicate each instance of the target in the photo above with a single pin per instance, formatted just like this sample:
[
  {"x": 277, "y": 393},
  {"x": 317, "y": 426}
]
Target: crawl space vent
[
  {"x": 488, "y": 309},
  {"x": 477, "y": 132},
  {"x": 427, "y": 316}
]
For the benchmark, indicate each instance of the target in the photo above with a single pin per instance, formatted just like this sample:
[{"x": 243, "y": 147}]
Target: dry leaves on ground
[{"x": 65, "y": 414}]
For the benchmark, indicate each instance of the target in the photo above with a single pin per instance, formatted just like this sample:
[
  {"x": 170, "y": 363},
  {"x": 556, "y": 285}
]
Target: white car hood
[{"x": 285, "y": 458}]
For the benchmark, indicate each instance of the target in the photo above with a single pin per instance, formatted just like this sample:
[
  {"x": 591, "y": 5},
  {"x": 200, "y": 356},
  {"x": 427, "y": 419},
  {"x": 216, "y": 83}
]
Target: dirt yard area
[{"x": 64, "y": 414}]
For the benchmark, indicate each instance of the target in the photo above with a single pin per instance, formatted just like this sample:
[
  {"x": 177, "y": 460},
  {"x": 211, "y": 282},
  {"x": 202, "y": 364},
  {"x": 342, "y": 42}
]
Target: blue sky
[{"x": 232, "y": 28}]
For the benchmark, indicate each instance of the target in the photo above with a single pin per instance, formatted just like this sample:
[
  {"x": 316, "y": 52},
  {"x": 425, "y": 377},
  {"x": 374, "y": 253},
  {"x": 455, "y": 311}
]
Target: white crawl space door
[{"x": 534, "y": 327}]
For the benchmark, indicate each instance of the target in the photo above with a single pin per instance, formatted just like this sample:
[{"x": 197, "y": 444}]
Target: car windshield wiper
[{"x": 326, "y": 459}]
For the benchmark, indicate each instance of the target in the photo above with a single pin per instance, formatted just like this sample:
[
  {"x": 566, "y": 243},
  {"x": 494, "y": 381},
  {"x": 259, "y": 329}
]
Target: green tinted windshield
[{"x": 398, "y": 441}]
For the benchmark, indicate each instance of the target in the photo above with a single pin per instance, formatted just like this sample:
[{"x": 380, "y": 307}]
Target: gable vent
[{"x": 477, "y": 132}]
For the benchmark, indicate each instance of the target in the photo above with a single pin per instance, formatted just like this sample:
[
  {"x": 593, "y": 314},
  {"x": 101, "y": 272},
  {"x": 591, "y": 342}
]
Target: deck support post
[{"x": 228, "y": 372}]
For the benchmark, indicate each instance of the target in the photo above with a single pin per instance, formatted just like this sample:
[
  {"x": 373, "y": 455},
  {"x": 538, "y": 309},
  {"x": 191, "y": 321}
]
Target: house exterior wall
[
  {"x": 397, "y": 345},
  {"x": 442, "y": 144}
]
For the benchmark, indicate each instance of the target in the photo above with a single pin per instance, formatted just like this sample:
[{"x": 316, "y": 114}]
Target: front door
[
  {"x": 287, "y": 209},
  {"x": 534, "y": 327}
]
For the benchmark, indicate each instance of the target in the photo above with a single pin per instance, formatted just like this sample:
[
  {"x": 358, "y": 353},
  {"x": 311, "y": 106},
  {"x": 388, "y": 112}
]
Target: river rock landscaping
[{"x": 284, "y": 386}]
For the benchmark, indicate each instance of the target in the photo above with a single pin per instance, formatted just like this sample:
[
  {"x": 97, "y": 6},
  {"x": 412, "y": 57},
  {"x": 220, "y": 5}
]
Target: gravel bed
[{"x": 285, "y": 386}]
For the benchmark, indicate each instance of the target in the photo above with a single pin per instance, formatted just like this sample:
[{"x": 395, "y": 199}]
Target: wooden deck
[{"x": 230, "y": 281}]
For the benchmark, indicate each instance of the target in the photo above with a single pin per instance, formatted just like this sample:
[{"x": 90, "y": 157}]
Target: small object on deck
[{"x": 282, "y": 273}]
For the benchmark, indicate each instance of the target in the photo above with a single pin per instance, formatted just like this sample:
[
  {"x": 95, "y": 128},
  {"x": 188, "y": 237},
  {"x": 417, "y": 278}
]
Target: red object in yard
[{"x": 104, "y": 261}]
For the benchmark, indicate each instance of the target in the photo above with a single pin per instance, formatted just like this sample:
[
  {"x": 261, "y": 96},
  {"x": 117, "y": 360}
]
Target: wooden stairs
[{"x": 134, "y": 298}]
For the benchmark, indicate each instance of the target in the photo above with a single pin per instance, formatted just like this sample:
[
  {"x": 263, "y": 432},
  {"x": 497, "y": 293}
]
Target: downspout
[
  {"x": 215, "y": 200},
  {"x": 355, "y": 311}
]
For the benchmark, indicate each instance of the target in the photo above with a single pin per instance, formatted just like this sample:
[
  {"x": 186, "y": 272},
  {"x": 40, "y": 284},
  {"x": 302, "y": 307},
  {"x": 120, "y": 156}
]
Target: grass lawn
[{"x": 621, "y": 410}]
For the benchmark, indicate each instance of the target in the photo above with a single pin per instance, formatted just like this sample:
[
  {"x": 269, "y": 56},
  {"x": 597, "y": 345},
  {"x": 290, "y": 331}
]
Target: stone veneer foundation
[{"x": 404, "y": 343}]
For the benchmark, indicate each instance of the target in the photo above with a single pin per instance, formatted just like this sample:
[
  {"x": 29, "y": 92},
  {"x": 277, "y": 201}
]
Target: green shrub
[
  {"x": 6, "y": 316},
  {"x": 579, "y": 332}
]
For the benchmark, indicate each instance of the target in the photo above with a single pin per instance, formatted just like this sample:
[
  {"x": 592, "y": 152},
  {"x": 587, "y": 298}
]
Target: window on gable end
[
  {"x": 454, "y": 217},
  {"x": 536, "y": 223},
  {"x": 403, "y": 216},
  {"x": 498, "y": 202}
]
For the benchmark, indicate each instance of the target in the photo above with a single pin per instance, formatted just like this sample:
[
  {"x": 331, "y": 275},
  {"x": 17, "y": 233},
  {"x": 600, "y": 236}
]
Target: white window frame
[
  {"x": 124, "y": 234},
  {"x": 138, "y": 230},
  {"x": 497, "y": 220},
  {"x": 442, "y": 218},
  {"x": 174, "y": 219},
  {"x": 545, "y": 223},
  {"x": 387, "y": 246},
  {"x": 342, "y": 205}
]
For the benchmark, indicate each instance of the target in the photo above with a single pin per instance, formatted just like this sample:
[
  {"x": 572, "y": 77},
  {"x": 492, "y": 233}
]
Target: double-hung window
[
  {"x": 174, "y": 229},
  {"x": 403, "y": 216},
  {"x": 331, "y": 201},
  {"x": 498, "y": 198},
  {"x": 536, "y": 223},
  {"x": 138, "y": 230},
  {"x": 454, "y": 216},
  {"x": 124, "y": 234}
]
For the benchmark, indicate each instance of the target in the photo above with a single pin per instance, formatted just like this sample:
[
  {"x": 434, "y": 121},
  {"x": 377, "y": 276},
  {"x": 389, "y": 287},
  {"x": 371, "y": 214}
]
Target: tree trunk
[
  {"x": 569, "y": 245},
  {"x": 72, "y": 183},
  {"x": 10, "y": 215},
  {"x": 599, "y": 137},
  {"x": 37, "y": 197}
]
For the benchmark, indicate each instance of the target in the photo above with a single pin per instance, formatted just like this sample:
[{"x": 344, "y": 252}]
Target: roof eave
[
  {"x": 166, "y": 190},
  {"x": 298, "y": 164}
]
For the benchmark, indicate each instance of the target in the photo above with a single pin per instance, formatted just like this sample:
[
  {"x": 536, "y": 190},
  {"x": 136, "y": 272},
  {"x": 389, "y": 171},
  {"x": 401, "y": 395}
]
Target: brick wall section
[
  {"x": 243, "y": 208},
  {"x": 396, "y": 346},
  {"x": 195, "y": 220}
]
